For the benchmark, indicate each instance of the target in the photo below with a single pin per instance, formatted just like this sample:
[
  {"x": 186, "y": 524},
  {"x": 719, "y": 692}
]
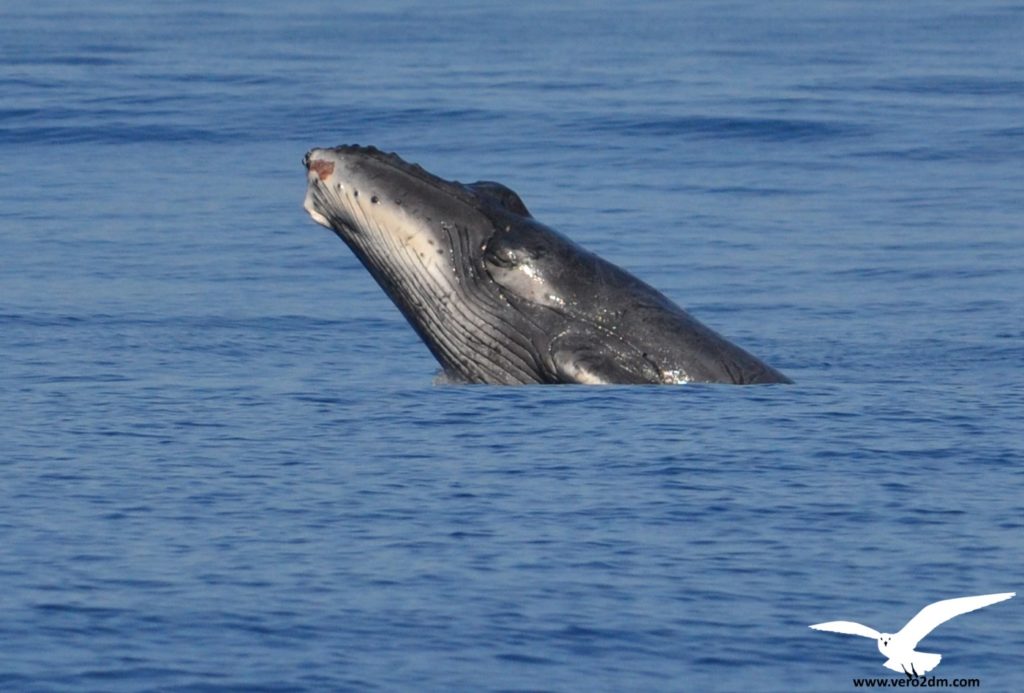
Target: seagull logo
[{"x": 899, "y": 647}]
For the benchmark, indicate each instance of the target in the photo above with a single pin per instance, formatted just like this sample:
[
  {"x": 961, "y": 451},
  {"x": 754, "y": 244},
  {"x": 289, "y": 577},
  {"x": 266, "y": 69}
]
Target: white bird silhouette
[{"x": 899, "y": 647}]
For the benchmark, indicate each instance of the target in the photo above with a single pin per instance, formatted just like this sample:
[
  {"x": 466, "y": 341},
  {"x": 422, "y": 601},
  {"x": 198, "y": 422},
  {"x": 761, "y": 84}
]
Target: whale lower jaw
[{"x": 314, "y": 214}]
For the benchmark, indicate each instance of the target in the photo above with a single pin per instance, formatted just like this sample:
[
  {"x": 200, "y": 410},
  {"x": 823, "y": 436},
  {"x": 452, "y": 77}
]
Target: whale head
[{"x": 423, "y": 239}]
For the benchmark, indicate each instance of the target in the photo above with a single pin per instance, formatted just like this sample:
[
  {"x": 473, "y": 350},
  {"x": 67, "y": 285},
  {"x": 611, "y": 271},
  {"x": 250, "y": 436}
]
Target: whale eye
[{"x": 500, "y": 257}]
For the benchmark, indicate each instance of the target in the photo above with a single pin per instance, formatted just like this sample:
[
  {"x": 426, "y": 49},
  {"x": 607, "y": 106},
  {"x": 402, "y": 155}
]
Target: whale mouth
[
  {"x": 326, "y": 201},
  {"x": 310, "y": 205}
]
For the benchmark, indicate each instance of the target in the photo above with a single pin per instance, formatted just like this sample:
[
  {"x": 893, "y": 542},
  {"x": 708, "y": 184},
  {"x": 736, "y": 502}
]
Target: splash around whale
[{"x": 500, "y": 298}]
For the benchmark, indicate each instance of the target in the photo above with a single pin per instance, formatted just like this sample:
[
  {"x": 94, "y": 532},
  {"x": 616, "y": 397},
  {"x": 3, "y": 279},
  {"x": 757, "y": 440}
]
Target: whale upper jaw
[{"x": 360, "y": 185}]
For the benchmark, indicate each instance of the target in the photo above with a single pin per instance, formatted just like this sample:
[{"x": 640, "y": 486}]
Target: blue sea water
[{"x": 226, "y": 465}]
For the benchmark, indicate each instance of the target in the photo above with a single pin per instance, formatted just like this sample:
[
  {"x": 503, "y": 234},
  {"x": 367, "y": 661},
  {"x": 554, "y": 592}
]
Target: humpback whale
[{"x": 500, "y": 298}]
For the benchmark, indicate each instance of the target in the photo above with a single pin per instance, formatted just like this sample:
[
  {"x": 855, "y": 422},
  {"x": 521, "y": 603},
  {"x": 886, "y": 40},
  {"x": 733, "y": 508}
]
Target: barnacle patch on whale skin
[{"x": 322, "y": 168}]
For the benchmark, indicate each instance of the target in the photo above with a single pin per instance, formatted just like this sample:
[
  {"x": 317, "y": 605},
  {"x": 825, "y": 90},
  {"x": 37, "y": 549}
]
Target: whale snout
[{"x": 318, "y": 169}]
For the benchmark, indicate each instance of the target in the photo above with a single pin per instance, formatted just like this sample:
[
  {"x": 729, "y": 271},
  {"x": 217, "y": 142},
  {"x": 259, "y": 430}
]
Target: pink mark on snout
[{"x": 322, "y": 168}]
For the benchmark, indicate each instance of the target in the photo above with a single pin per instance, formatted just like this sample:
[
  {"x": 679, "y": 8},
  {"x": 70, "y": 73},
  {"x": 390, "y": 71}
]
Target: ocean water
[{"x": 226, "y": 465}]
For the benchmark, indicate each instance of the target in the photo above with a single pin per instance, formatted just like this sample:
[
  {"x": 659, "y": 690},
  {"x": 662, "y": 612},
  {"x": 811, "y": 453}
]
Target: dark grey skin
[{"x": 500, "y": 298}]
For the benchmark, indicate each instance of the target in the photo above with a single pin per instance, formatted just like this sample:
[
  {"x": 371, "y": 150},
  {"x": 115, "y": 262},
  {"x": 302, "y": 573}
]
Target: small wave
[
  {"x": 60, "y": 61},
  {"x": 110, "y": 134},
  {"x": 951, "y": 85},
  {"x": 722, "y": 127},
  {"x": 985, "y": 147}
]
